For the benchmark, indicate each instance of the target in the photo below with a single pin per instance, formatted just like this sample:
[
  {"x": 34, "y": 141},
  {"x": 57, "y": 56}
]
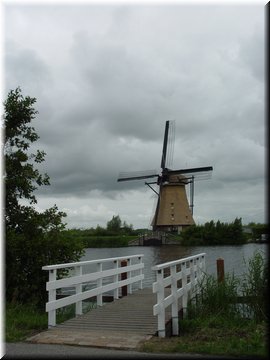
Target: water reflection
[{"x": 233, "y": 256}]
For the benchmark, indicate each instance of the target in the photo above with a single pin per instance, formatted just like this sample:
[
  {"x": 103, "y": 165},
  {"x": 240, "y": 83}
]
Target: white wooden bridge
[{"x": 143, "y": 312}]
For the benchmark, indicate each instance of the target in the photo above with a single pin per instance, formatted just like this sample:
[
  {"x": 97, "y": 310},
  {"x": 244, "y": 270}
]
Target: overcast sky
[{"x": 106, "y": 79}]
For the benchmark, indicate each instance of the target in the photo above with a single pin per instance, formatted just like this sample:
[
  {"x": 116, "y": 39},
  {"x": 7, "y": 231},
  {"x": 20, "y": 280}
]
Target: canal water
[{"x": 235, "y": 257}]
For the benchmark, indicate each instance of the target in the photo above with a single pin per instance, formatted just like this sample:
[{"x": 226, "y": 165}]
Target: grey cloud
[
  {"x": 120, "y": 73},
  {"x": 25, "y": 68},
  {"x": 252, "y": 52}
]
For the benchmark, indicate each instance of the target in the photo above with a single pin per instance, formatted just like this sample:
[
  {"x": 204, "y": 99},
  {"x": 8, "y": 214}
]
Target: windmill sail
[
  {"x": 165, "y": 143},
  {"x": 137, "y": 175}
]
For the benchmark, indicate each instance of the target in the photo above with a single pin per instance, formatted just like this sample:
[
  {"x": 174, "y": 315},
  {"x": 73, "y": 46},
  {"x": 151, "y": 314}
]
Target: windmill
[{"x": 173, "y": 212}]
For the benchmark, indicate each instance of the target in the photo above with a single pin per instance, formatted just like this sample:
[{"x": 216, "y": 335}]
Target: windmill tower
[{"x": 173, "y": 212}]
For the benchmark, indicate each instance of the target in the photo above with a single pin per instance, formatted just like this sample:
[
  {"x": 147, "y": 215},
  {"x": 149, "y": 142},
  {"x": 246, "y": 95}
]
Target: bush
[
  {"x": 25, "y": 279},
  {"x": 216, "y": 298},
  {"x": 212, "y": 233},
  {"x": 222, "y": 298}
]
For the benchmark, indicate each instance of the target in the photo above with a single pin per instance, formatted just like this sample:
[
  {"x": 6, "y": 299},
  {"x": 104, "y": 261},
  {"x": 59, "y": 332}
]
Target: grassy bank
[
  {"x": 107, "y": 241},
  {"x": 90, "y": 238},
  {"x": 24, "y": 320},
  {"x": 214, "y": 335}
]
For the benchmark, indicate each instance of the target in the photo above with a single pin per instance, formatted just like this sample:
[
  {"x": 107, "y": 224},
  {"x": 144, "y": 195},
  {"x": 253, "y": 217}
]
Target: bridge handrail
[
  {"x": 189, "y": 277},
  {"x": 79, "y": 278},
  {"x": 176, "y": 262},
  {"x": 88, "y": 262}
]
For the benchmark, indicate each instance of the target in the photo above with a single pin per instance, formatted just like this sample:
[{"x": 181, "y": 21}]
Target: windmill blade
[
  {"x": 170, "y": 145},
  {"x": 197, "y": 176},
  {"x": 191, "y": 170},
  {"x": 154, "y": 223},
  {"x": 137, "y": 175},
  {"x": 165, "y": 141},
  {"x": 191, "y": 194}
]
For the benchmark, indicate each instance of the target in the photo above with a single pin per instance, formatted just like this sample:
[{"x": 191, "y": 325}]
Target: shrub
[
  {"x": 216, "y": 298},
  {"x": 254, "y": 286},
  {"x": 222, "y": 299}
]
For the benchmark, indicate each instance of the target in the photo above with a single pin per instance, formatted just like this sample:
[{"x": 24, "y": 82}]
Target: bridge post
[
  {"x": 220, "y": 270},
  {"x": 124, "y": 277},
  {"x": 115, "y": 279},
  {"x": 78, "y": 271},
  {"x": 163, "y": 238},
  {"x": 99, "y": 284},
  {"x": 129, "y": 287},
  {"x": 184, "y": 283},
  {"x": 192, "y": 273},
  {"x": 175, "y": 322},
  {"x": 160, "y": 300},
  {"x": 141, "y": 273},
  {"x": 52, "y": 297}
]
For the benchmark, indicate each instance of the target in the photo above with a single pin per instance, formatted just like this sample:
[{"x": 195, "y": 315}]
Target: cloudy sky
[{"x": 107, "y": 77}]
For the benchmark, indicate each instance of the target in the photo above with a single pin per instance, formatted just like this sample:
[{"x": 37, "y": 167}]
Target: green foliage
[
  {"x": 222, "y": 298},
  {"x": 108, "y": 241},
  {"x": 22, "y": 320},
  {"x": 25, "y": 279},
  {"x": 214, "y": 335},
  {"x": 116, "y": 234},
  {"x": 254, "y": 286},
  {"x": 33, "y": 239},
  {"x": 21, "y": 178},
  {"x": 212, "y": 233},
  {"x": 216, "y": 298},
  {"x": 92, "y": 238},
  {"x": 116, "y": 227},
  {"x": 258, "y": 229}
]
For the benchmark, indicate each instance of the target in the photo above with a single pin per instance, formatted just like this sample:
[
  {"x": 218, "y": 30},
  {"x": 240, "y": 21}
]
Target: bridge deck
[{"x": 122, "y": 323}]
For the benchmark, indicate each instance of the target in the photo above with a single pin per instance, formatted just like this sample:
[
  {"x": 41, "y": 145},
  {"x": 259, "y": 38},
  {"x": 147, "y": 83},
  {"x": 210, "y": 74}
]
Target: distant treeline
[
  {"x": 115, "y": 234},
  {"x": 257, "y": 229},
  {"x": 118, "y": 234},
  {"x": 219, "y": 233}
]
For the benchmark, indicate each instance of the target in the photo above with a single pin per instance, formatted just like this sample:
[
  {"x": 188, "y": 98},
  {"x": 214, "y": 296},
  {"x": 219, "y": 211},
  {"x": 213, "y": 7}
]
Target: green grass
[
  {"x": 89, "y": 238},
  {"x": 23, "y": 320},
  {"x": 107, "y": 241},
  {"x": 214, "y": 336}
]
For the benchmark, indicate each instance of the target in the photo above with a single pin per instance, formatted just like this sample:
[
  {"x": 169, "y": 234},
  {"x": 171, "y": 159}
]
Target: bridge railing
[
  {"x": 182, "y": 277},
  {"x": 159, "y": 235},
  {"x": 102, "y": 281}
]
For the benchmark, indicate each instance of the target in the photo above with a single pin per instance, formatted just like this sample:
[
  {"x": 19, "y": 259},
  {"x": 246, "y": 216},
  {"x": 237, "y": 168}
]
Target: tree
[
  {"x": 212, "y": 233},
  {"x": 114, "y": 225},
  {"x": 20, "y": 176},
  {"x": 237, "y": 230},
  {"x": 127, "y": 229},
  {"x": 33, "y": 239}
]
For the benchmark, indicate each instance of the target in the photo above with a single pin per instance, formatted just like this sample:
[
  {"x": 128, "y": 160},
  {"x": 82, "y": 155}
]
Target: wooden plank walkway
[{"x": 123, "y": 323}]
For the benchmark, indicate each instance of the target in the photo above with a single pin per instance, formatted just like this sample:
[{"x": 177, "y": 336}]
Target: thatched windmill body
[{"x": 173, "y": 211}]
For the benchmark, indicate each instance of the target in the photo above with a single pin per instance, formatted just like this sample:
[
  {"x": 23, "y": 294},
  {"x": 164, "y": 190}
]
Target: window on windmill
[
  {"x": 172, "y": 216},
  {"x": 172, "y": 206}
]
